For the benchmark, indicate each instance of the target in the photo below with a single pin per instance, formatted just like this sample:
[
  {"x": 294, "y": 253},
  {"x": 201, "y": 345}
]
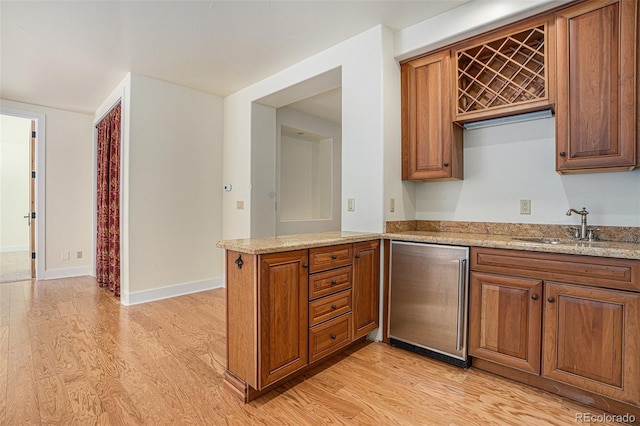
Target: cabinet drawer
[
  {"x": 596, "y": 271},
  {"x": 329, "y": 307},
  {"x": 323, "y": 258},
  {"x": 329, "y": 282},
  {"x": 328, "y": 337}
]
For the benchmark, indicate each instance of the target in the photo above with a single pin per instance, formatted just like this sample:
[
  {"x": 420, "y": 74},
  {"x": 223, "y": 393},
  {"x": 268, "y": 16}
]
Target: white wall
[
  {"x": 262, "y": 206},
  {"x": 69, "y": 188},
  {"x": 309, "y": 123},
  {"x": 15, "y": 172},
  {"x": 174, "y": 188},
  {"x": 505, "y": 164},
  {"x": 362, "y": 137}
]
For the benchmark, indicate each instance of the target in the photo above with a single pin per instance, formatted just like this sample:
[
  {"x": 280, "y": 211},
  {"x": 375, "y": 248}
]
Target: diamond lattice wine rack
[{"x": 504, "y": 72}]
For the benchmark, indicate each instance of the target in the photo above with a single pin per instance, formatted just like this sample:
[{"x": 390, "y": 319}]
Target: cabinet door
[
  {"x": 505, "y": 320},
  {"x": 283, "y": 315},
  {"x": 596, "y": 100},
  {"x": 431, "y": 143},
  {"x": 591, "y": 339},
  {"x": 366, "y": 287}
]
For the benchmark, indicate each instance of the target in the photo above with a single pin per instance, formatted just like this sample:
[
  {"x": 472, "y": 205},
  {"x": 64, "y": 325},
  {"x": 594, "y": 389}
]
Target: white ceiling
[{"x": 72, "y": 54}]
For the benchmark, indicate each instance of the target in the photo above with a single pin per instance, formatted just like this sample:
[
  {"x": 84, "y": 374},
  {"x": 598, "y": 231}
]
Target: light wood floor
[
  {"x": 15, "y": 266},
  {"x": 71, "y": 354}
]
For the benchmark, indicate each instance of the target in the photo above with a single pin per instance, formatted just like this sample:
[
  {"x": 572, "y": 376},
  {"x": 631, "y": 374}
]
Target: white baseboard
[
  {"x": 52, "y": 274},
  {"x": 145, "y": 296},
  {"x": 8, "y": 249}
]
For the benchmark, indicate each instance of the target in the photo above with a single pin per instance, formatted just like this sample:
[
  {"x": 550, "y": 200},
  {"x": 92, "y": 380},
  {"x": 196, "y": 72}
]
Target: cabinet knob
[
  {"x": 550, "y": 299},
  {"x": 445, "y": 164},
  {"x": 357, "y": 256},
  {"x": 334, "y": 282},
  {"x": 562, "y": 153},
  {"x": 534, "y": 296},
  {"x": 305, "y": 265},
  {"x": 334, "y": 307},
  {"x": 333, "y": 337},
  {"x": 334, "y": 257}
]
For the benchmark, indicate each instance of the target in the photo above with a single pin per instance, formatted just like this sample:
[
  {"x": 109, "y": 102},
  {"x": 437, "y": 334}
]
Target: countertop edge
[
  {"x": 283, "y": 244},
  {"x": 508, "y": 242},
  {"x": 257, "y": 246}
]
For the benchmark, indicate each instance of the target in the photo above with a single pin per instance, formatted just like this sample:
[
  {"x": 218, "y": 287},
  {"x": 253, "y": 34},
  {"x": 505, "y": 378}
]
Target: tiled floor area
[{"x": 15, "y": 266}]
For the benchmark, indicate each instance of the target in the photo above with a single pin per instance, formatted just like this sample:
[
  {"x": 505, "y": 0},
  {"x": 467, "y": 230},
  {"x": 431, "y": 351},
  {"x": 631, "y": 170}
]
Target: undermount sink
[{"x": 540, "y": 240}]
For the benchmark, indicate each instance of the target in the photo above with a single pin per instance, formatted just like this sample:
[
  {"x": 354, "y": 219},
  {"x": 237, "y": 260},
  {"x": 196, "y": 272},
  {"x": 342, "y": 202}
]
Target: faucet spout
[{"x": 583, "y": 222}]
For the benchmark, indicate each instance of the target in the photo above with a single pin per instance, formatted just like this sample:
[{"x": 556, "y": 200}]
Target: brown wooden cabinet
[
  {"x": 431, "y": 142},
  {"x": 592, "y": 339},
  {"x": 505, "y": 320},
  {"x": 596, "y": 110},
  {"x": 283, "y": 315},
  {"x": 366, "y": 287},
  {"x": 586, "y": 345},
  {"x": 288, "y": 310},
  {"x": 505, "y": 72}
]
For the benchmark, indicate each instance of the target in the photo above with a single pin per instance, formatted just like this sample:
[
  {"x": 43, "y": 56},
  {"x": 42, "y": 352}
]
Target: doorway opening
[
  {"x": 18, "y": 198},
  {"x": 296, "y": 158}
]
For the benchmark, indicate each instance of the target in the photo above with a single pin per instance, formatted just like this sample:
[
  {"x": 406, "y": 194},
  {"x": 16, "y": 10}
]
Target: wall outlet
[
  {"x": 392, "y": 205},
  {"x": 525, "y": 206},
  {"x": 351, "y": 204},
  {"x": 79, "y": 254},
  {"x": 240, "y": 205},
  {"x": 64, "y": 255}
]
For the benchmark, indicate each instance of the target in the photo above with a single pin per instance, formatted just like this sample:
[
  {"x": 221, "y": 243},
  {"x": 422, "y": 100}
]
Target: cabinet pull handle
[
  {"x": 534, "y": 296},
  {"x": 445, "y": 164},
  {"x": 334, "y": 282},
  {"x": 334, "y": 257},
  {"x": 562, "y": 153},
  {"x": 550, "y": 299},
  {"x": 334, "y": 307},
  {"x": 305, "y": 265},
  {"x": 333, "y": 337}
]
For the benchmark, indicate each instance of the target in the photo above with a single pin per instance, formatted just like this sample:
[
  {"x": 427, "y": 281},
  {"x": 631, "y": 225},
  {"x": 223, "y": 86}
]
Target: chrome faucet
[{"x": 583, "y": 222}]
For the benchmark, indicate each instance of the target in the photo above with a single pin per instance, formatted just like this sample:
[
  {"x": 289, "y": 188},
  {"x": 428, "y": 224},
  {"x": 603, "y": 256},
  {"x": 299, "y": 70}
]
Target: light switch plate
[{"x": 351, "y": 205}]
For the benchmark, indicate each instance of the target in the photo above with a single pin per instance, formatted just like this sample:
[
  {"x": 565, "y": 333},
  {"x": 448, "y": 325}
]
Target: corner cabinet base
[{"x": 575, "y": 394}]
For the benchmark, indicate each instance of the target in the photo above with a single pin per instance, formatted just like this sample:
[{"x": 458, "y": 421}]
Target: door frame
[{"x": 40, "y": 144}]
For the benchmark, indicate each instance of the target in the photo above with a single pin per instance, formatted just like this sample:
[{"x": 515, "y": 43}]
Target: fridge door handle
[{"x": 462, "y": 270}]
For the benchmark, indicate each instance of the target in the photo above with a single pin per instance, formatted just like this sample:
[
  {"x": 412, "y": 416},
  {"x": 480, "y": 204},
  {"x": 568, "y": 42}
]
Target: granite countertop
[
  {"x": 626, "y": 250},
  {"x": 295, "y": 242}
]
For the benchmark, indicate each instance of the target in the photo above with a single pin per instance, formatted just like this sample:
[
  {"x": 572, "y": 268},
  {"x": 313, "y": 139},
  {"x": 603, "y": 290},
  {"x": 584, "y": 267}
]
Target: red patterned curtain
[{"x": 108, "y": 202}]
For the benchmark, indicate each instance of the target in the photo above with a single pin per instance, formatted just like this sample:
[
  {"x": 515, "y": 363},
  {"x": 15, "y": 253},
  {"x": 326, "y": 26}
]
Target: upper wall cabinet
[
  {"x": 506, "y": 72},
  {"x": 596, "y": 112},
  {"x": 431, "y": 142}
]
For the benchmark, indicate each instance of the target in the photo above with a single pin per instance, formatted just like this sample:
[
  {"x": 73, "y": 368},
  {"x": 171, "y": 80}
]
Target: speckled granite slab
[
  {"x": 294, "y": 242},
  {"x": 505, "y": 235},
  {"x": 605, "y": 233}
]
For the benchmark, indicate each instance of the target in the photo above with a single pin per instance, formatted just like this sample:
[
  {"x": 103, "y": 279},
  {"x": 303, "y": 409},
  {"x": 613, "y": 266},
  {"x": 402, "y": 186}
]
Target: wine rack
[{"x": 506, "y": 71}]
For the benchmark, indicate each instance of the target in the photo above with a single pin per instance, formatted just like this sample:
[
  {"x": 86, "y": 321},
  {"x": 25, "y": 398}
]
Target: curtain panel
[{"x": 108, "y": 201}]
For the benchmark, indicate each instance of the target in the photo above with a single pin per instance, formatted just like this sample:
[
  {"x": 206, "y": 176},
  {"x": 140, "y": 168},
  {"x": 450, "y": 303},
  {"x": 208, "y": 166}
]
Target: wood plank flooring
[
  {"x": 15, "y": 266},
  {"x": 71, "y": 354}
]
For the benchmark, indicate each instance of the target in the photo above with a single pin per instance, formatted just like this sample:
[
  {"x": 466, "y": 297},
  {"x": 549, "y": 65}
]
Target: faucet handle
[
  {"x": 575, "y": 231},
  {"x": 591, "y": 234}
]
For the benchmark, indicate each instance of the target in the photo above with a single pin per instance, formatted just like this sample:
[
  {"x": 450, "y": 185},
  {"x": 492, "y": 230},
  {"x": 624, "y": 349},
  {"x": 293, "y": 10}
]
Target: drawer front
[
  {"x": 329, "y": 282},
  {"x": 323, "y": 258},
  {"x": 329, "y": 307},
  {"x": 328, "y": 337},
  {"x": 596, "y": 271}
]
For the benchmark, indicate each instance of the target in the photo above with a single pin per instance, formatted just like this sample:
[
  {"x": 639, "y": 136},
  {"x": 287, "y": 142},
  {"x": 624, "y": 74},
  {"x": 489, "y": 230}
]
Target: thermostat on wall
[{"x": 227, "y": 187}]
